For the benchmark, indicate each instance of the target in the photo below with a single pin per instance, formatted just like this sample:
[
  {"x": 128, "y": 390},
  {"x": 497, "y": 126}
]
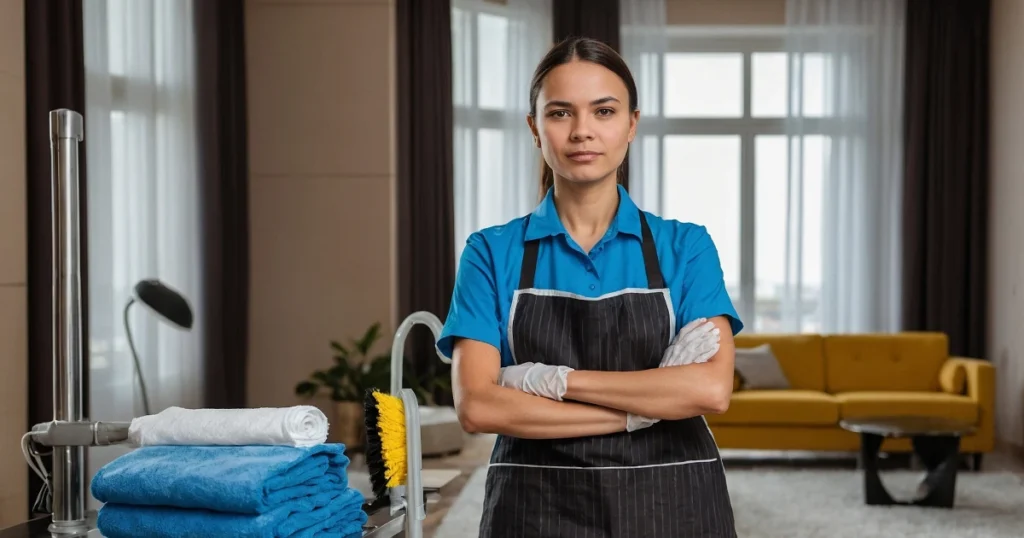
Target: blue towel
[
  {"x": 238, "y": 479},
  {"x": 341, "y": 517}
]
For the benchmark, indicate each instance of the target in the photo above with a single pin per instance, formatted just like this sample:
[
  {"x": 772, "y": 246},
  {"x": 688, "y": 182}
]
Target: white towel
[{"x": 301, "y": 425}]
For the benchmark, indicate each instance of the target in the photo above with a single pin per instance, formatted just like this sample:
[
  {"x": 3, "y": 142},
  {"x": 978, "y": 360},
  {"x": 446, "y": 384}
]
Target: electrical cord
[
  {"x": 135, "y": 357},
  {"x": 34, "y": 459}
]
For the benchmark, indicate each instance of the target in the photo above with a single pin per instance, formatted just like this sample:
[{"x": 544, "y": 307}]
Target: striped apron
[{"x": 663, "y": 481}]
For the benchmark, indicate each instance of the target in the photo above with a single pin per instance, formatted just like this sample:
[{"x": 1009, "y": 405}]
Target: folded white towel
[{"x": 301, "y": 425}]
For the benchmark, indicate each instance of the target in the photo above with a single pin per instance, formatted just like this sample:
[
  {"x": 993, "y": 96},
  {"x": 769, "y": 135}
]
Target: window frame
[
  {"x": 468, "y": 118},
  {"x": 746, "y": 41}
]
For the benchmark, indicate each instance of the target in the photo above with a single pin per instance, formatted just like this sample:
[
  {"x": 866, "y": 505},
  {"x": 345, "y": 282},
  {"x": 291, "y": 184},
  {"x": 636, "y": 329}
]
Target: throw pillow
[{"x": 759, "y": 369}]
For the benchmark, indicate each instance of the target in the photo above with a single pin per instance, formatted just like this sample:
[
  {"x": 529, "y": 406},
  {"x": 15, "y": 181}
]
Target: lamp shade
[{"x": 165, "y": 301}]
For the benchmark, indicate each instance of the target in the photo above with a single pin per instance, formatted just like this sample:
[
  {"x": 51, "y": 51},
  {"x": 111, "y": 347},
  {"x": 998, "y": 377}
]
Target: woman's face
[{"x": 583, "y": 124}]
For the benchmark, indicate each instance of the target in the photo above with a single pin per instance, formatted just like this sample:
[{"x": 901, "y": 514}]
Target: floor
[
  {"x": 478, "y": 449},
  {"x": 475, "y": 453}
]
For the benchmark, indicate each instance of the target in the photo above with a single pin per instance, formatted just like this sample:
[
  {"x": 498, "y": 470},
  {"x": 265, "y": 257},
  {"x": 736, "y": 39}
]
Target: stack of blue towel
[{"x": 238, "y": 491}]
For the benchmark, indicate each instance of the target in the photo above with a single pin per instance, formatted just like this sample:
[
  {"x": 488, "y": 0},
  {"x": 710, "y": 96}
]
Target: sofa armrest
[
  {"x": 974, "y": 378},
  {"x": 953, "y": 376}
]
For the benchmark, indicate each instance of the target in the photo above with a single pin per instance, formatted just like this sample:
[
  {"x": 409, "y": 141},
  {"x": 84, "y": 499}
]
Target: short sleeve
[
  {"x": 704, "y": 293},
  {"x": 473, "y": 313}
]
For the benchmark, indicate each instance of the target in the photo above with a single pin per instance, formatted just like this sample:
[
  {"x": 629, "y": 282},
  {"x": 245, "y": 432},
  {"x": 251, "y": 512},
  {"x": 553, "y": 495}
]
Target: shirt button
[{"x": 592, "y": 286}]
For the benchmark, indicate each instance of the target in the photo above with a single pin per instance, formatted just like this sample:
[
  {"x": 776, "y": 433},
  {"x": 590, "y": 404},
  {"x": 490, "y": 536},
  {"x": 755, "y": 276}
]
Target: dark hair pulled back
[{"x": 582, "y": 49}]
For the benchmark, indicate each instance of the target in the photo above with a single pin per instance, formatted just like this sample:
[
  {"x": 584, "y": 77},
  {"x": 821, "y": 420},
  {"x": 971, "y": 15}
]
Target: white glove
[
  {"x": 696, "y": 342},
  {"x": 536, "y": 378},
  {"x": 637, "y": 422}
]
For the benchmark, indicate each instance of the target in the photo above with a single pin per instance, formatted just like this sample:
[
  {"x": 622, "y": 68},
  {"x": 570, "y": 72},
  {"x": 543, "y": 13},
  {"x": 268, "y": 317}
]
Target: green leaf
[
  {"x": 341, "y": 370},
  {"x": 325, "y": 379},
  {"x": 381, "y": 364},
  {"x": 306, "y": 388},
  {"x": 339, "y": 350},
  {"x": 368, "y": 339}
]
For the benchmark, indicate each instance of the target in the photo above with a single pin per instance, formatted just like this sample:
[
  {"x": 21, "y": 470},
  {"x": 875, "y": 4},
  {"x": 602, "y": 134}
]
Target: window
[
  {"x": 143, "y": 199},
  {"x": 495, "y": 47},
  {"x": 726, "y": 165}
]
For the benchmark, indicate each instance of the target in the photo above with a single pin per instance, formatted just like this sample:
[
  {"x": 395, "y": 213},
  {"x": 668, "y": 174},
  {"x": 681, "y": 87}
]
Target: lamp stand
[{"x": 135, "y": 357}]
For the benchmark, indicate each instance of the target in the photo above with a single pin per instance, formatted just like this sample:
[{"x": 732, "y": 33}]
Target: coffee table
[{"x": 936, "y": 441}]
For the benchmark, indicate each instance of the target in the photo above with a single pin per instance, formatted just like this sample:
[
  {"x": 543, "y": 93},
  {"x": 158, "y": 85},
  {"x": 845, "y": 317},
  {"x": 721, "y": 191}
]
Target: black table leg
[
  {"x": 940, "y": 456},
  {"x": 874, "y": 491}
]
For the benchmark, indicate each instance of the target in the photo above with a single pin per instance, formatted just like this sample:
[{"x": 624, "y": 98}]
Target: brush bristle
[
  {"x": 391, "y": 425},
  {"x": 385, "y": 441},
  {"x": 374, "y": 456}
]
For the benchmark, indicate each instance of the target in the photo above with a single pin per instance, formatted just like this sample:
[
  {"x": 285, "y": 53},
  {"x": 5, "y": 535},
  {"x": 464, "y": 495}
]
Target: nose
[{"x": 581, "y": 130}]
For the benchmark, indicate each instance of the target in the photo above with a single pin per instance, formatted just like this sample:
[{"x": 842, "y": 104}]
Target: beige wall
[
  {"x": 726, "y": 12},
  {"x": 1006, "y": 310},
  {"x": 13, "y": 308},
  {"x": 321, "y": 115}
]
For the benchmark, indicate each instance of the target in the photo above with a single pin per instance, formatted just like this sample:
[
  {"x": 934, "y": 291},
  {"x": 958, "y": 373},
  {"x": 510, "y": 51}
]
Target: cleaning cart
[{"x": 69, "y": 433}]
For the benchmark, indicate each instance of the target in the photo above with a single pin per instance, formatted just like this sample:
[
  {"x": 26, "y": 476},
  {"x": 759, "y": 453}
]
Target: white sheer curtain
[
  {"x": 495, "y": 49},
  {"x": 142, "y": 204},
  {"x": 845, "y": 95},
  {"x": 644, "y": 43}
]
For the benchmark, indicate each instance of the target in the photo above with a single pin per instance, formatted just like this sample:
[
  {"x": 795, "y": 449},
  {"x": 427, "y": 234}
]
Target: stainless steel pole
[{"x": 66, "y": 131}]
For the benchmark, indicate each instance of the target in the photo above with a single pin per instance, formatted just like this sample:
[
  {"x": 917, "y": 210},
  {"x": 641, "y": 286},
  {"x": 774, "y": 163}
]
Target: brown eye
[{"x": 606, "y": 112}]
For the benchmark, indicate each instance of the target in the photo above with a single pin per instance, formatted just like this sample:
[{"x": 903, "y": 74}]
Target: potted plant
[{"x": 346, "y": 382}]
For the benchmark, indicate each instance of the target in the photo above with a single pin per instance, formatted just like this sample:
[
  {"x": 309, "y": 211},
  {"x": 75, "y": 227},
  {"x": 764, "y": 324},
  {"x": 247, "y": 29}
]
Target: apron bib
[{"x": 663, "y": 481}]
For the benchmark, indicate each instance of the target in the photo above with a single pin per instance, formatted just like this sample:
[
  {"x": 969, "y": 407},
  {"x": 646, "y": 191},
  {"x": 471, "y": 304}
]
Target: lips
[{"x": 583, "y": 156}]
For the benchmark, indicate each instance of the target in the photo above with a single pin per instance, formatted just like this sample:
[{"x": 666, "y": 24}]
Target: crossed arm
[{"x": 597, "y": 402}]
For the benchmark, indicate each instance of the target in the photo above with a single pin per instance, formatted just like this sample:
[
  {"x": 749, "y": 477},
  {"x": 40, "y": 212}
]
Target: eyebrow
[{"x": 595, "y": 102}]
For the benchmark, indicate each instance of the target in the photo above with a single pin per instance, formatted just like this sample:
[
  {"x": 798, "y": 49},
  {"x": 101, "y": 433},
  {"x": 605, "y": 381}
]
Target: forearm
[
  {"x": 496, "y": 409},
  {"x": 670, "y": 393},
  {"x": 667, "y": 393}
]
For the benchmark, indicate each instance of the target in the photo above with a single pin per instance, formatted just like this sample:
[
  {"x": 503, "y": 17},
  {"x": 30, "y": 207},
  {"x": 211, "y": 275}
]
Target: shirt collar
[{"x": 544, "y": 221}]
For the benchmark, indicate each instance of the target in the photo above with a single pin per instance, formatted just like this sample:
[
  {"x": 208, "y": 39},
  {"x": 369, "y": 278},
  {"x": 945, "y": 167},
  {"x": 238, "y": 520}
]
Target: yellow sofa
[{"x": 833, "y": 377}]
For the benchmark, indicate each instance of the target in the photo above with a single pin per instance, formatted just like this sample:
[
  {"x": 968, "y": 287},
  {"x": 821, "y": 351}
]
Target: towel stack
[{"x": 245, "y": 472}]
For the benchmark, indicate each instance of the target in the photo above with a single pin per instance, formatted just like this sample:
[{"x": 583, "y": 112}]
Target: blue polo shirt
[{"x": 489, "y": 268}]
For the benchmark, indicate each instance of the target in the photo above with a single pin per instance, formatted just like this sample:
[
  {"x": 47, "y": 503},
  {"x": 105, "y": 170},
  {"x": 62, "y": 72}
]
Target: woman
[{"x": 563, "y": 334}]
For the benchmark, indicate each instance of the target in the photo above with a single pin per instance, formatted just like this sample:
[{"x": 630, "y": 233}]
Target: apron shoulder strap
[
  {"x": 655, "y": 280},
  {"x": 529, "y": 266}
]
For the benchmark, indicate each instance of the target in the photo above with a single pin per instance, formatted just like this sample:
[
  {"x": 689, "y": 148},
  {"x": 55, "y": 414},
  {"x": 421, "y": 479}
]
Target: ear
[
  {"x": 531, "y": 121},
  {"x": 634, "y": 119}
]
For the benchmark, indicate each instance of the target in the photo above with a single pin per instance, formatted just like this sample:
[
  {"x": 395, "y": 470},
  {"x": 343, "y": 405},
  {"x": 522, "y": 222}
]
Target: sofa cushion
[
  {"x": 799, "y": 355},
  {"x": 881, "y": 362},
  {"x": 895, "y": 403},
  {"x": 758, "y": 368},
  {"x": 780, "y": 407}
]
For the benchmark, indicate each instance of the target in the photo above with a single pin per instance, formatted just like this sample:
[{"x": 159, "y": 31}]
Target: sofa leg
[{"x": 976, "y": 461}]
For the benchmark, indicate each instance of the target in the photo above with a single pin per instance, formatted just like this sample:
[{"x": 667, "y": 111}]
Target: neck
[{"x": 587, "y": 210}]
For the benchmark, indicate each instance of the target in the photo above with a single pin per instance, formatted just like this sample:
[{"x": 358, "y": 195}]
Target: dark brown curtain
[
  {"x": 224, "y": 177},
  {"x": 426, "y": 221},
  {"x": 945, "y": 197},
  {"x": 54, "y": 78},
  {"x": 597, "y": 19}
]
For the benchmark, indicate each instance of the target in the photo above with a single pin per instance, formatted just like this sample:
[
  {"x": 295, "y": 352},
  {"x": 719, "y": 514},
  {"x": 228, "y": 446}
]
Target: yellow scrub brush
[
  {"x": 385, "y": 441},
  {"x": 393, "y": 451}
]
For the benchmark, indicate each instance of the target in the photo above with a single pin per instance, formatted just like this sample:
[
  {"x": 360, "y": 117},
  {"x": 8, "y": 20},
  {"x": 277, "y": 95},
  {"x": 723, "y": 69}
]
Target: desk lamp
[{"x": 169, "y": 305}]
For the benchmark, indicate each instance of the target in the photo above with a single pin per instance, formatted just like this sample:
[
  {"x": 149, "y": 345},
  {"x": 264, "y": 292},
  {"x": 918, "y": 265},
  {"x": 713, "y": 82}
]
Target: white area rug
[{"x": 789, "y": 503}]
